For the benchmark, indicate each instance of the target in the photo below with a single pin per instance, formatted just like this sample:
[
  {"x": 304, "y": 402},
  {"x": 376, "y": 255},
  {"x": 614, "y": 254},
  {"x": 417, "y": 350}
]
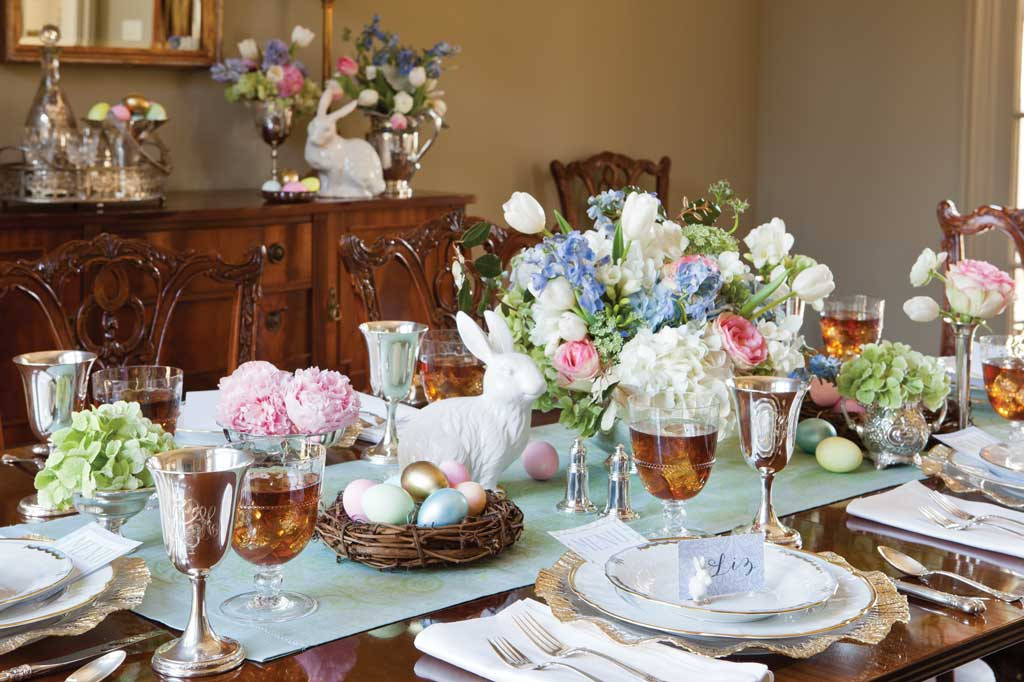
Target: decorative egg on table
[
  {"x": 385, "y": 503},
  {"x": 540, "y": 459},
  {"x": 294, "y": 186},
  {"x": 137, "y": 104},
  {"x": 156, "y": 112},
  {"x": 120, "y": 112},
  {"x": 455, "y": 472},
  {"x": 352, "y": 498},
  {"x": 823, "y": 393},
  {"x": 421, "y": 479},
  {"x": 852, "y": 406},
  {"x": 271, "y": 186},
  {"x": 810, "y": 432},
  {"x": 98, "y": 111},
  {"x": 475, "y": 495},
  {"x": 444, "y": 507},
  {"x": 838, "y": 455},
  {"x": 394, "y": 479},
  {"x": 312, "y": 183},
  {"x": 289, "y": 175}
]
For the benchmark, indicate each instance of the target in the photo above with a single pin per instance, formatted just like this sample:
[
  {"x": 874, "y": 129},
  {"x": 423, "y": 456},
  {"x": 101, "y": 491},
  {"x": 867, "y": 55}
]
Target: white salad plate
[
  {"x": 853, "y": 598},
  {"x": 793, "y": 581},
  {"x": 78, "y": 594},
  {"x": 30, "y": 570}
]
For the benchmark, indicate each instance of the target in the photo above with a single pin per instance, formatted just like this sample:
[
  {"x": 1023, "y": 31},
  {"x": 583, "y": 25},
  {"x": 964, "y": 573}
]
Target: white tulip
[
  {"x": 417, "y": 76},
  {"x": 571, "y": 327},
  {"x": 249, "y": 50},
  {"x": 403, "y": 102},
  {"x": 371, "y": 72},
  {"x": 557, "y": 295},
  {"x": 921, "y": 308},
  {"x": 524, "y": 214},
  {"x": 920, "y": 273},
  {"x": 368, "y": 98},
  {"x": 769, "y": 243},
  {"x": 439, "y": 106},
  {"x": 638, "y": 216},
  {"x": 814, "y": 284},
  {"x": 302, "y": 36}
]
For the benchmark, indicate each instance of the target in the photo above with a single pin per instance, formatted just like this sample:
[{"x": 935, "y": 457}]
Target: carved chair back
[
  {"x": 956, "y": 227},
  {"x": 116, "y": 297},
  {"x": 422, "y": 256},
  {"x": 605, "y": 171}
]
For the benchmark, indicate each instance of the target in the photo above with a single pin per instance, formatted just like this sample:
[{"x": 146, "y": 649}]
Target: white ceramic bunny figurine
[
  {"x": 486, "y": 432},
  {"x": 348, "y": 169}
]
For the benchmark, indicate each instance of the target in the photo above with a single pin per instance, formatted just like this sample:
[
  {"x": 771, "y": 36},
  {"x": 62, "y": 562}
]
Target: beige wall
[{"x": 537, "y": 80}]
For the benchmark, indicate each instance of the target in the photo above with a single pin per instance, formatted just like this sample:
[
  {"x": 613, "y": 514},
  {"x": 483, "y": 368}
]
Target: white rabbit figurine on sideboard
[
  {"x": 348, "y": 169},
  {"x": 487, "y": 432}
]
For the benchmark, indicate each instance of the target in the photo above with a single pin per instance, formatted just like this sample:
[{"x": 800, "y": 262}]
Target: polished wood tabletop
[{"x": 936, "y": 639}]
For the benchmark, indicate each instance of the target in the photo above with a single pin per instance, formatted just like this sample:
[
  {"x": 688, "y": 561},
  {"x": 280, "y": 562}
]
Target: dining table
[{"x": 935, "y": 640}]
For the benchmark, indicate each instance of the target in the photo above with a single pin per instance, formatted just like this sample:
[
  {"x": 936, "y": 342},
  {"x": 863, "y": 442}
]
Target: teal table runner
[{"x": 354, "y": 598}]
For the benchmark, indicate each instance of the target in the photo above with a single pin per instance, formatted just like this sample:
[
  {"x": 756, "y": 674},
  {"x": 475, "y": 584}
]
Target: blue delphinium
[
  {"x": 433, "y": 68},
  {"x": 698, "y": 281},
  {"x": 442, "y": 49},
  {"x": 406, "y": 59},
  {"x": 569, "y": 256},
  {"x": 275, "y": 53},
  {"x": 825, "y": 367},
  {"x": 605, "y": 208}
]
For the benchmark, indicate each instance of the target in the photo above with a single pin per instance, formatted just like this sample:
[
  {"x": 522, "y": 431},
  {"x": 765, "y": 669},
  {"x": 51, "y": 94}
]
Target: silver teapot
[{"x": 893, "y": 435}]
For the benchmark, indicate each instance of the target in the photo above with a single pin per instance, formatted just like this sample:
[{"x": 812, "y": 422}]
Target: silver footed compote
[
  {"x": 393, "y": 347},
  {"x": 767, "y": 411},
  {"x": 198, "y": 489}
]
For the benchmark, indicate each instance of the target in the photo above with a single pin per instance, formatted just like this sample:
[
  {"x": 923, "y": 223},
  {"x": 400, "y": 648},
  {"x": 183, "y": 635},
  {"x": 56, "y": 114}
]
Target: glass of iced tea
[
  {"x": 1002, "y": 366},
  {"x": 848, "y": 322},
  {"x": 274, "y": 521},
  {"x": 674, "y": 450},
  {"x": 157, "y": 390},
  {"x": 447, "y": 368}
]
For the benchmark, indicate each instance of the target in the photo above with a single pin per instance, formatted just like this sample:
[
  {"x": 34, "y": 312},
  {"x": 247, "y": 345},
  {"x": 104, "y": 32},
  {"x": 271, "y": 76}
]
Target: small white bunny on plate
[
  {"x": 487, "y": 432},
  {"x": 348, "y": 169}
]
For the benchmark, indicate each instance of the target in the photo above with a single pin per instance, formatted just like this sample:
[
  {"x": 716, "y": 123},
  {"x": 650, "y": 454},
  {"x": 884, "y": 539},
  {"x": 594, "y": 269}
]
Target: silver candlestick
[
  {"x": 577, "y": 482},
  {"x": 198, "y": 490},
  {"x": 618, "y": 486}
]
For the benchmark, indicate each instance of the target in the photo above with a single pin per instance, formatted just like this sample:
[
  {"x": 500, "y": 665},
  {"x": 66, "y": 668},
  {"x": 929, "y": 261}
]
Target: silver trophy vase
[{"x": 198, "y": 490}]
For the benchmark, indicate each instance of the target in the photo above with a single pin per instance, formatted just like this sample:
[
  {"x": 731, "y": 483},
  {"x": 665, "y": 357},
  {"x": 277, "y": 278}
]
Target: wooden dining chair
[
  {"x": 601, "y": 172},
  {"x": 116, "y": 297},
  {"x": 956, "y": 227}
]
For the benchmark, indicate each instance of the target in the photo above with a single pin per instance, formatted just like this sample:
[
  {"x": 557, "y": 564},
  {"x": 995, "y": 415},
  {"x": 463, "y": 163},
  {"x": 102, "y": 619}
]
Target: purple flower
[
  {"x": 405, "y": 61},
  {"x": 275, "y": 53},
  {"x": 231, "y": 70}
]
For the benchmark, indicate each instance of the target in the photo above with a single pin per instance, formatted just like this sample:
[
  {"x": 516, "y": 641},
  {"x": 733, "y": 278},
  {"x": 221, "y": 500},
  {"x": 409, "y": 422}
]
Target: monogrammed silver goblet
[{"x": 198, "y": 490}]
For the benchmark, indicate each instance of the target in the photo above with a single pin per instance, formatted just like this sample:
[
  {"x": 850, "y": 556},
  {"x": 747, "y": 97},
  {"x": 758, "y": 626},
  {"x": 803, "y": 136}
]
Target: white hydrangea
[{"x": 784, "y": 343}]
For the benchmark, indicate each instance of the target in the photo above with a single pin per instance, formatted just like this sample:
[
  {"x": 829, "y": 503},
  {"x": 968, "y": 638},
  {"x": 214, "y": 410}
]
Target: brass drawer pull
[
  {"x": 333, "y": 307},
  {"x": 273, "y": 319},
  {"x": 276, "y": 252}
]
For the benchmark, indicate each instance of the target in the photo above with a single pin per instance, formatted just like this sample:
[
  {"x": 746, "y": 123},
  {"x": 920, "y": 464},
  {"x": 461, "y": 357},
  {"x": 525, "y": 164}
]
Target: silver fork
[
  {"x": 936, "y": 517},
  {"x": 514, "y": 658},
  {"x": 950, "y": 507},
  {"x": 552, "y": 646}
]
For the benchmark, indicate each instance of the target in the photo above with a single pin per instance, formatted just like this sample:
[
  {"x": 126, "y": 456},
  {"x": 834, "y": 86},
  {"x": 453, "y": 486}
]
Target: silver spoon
[
  {"x": 910, "y": 566},
  {"x": 98, "y": 669}
]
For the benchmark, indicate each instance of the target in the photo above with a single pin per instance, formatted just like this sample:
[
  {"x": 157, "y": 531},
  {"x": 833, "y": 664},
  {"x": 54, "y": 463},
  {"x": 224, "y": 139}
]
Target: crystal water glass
[
  {"x": 1002, "y": 365},
  {"x": 674, "y": 450},
  {"x": 81, "y": 151},
  {"x": 447, "y": 368},
  {"x": 157, "y": 390},
  {"x": 849, "y": 322}
]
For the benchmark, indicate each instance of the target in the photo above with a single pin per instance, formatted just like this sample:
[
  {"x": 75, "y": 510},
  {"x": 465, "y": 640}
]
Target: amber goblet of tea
[
  {"x": 447, "y": 368},
  {"x": 274, "y": 521},
  {"x": 674, "y": 450},
  {"x": 849, "y": 322},
  {"x": 1002, "y": 366},
  {"x": 157, "y": 390}
]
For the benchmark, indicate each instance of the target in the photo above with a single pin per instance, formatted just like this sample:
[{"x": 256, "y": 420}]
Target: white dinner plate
[
  {"x": 79, "y": 593},
  {"x": 794, "y": 581},
  {"x": 30, "y": 570},
  {"x": 853, "y": 598}
]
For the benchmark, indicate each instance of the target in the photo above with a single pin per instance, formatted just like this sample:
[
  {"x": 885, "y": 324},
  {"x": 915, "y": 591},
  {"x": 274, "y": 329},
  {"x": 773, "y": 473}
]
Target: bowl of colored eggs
[
  {"x": 428, "y": 515},
  {"x": 290, "y": 189}
]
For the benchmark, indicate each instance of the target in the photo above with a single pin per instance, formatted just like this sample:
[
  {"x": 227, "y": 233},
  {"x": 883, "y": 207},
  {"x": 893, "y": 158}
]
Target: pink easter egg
[
  {"x": 352, "y": 498},
  {"x": 456, "y": 472},
  {"x": 823, "y": 393},
  {"x": 852, "y": 406},
  {"x": 540, "y": 460},
  {"x": 121, "y": 112},
  {"x": 294, "y": 187},
  {"x": 474, "y": 494}
]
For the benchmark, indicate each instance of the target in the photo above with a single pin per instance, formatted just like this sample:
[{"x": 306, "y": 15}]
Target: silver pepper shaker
[
  {"x": 618, "y": 485},
  {"x": 577, "y": 483}
]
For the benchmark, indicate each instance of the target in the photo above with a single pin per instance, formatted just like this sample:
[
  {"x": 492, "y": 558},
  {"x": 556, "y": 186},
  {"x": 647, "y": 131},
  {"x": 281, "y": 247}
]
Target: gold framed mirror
[{"x": 155, "y": 32}]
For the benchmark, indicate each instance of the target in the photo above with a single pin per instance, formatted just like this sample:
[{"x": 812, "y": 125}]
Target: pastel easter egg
[
  {"x": 136, "y": 103},
  {"x": 385, "y": 503},
  {"x": 394, "y": 479},
  {"x": 120, "y": 112},
  {"x": 455, "y": 472},
  {"x": 156, "y": 112},
  {"x": 289, "y": 175},
  {"x": 475, "y": 495},
  {"x": 312, "y": 183},
  {"x": 352, "y": 498},
  {"x": 838, "y": 455},
  {"x": 823, "y": 393},
  {"x": 540, "y": 459},
  {"x": 421, "y": 479},
  {"x": 444, "y": 507},
  {"x": 810, "y": 432},
  {"x": 98, "y": 111},
  {"x": 271, "y": 186},
  {"x": 852, "y": 406},
  {"x": 294, "y": 187}
]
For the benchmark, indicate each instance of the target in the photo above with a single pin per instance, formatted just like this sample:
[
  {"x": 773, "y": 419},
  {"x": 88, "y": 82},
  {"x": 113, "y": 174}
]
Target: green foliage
[
  {"x": 475, "y": 235},
  {"x": 709, "y": 240},
  {"x": 255, "y": 85},
  {"x": 105, "y": 448},
  {"x": 563, "y": 224},
  {"x": 488, "y": 265},
  {"x": 891, "y": 374}
]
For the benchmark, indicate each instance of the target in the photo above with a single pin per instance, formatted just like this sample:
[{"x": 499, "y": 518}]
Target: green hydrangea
[
  {"x": 105, "y": 448},
  {"x": 891, "y": 374}
]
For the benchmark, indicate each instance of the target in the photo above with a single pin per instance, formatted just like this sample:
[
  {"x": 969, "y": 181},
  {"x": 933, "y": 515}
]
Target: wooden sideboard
[{"x": 308, "y": 313}]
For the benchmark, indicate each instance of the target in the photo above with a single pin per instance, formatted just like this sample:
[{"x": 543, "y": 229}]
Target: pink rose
[
  {"x": 978, "y": 289},
  {"x": 252, "y": 400},
  {"x": 348, "y": 66},
  {"x": 319, "y": 401},
  {"x": 398, "y": 121},
  {"x": 576, "y": 361},
  {"x": 741, "y": 340},
  {"x": 291, "y": 81}
]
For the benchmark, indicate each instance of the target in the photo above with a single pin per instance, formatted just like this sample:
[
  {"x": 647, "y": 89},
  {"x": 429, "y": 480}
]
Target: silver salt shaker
[
  {"x": 618, "y": 464},
  {"x": 577, "y": 483}
]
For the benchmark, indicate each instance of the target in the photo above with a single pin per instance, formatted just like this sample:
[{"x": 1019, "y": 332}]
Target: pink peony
[
  {"x": 319, "y": 401},
  {"x": 576, "y": 361},
  {"x": 741, "y": 340},
  {"x": 348, "y": 66},
  {"x": 398, "y": 121},
  {"x": 252, "y": 400},
  {"x": 291, "y": 81},
  {"x": 978, "y": 289}
]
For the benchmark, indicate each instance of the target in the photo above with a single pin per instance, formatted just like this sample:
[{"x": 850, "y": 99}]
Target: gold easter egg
[
  {"x": 137, "y": 104},
  {"x": 289, "y": 175},
  {"x": 422, "y": 478}
]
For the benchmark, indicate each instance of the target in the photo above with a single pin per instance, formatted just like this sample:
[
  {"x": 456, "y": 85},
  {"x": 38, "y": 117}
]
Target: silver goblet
[
  {"x": 56, "y": 382},
  {"x": 393, "y": 347},
  {"x": 274, "y": 121},
  {"x": 767, "y": 410},
  {"x": 198, "y": 490}
]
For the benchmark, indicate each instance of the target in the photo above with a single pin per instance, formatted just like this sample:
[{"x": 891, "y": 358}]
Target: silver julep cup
[{"x": 56, "y": 382}]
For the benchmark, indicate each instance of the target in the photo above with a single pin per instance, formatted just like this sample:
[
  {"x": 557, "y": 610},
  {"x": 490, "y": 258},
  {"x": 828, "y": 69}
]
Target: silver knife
[
  {"x": 965, "y": 604},
  {"x": 27, "y": 670}
]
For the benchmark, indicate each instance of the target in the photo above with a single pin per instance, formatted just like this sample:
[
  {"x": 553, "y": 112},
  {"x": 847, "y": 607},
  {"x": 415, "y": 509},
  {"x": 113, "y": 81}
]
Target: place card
[
  {"x": 969, "y": 441},
  {"x": 598, "y": 540},
  {"x": 735, "y": 563},
  {"x": 92, "y": 547}
]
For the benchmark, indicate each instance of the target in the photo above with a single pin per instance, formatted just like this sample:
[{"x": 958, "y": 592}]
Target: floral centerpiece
[
  {"x": 270, "y": 74},
  {"x": 644, "y": 305}
]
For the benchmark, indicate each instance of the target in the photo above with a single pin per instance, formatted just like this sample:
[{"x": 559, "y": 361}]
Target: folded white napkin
[
  {"x": 376, "y": 406},
  {"x": 464, "y": 644},
  {"x": 899, "y": 507}
]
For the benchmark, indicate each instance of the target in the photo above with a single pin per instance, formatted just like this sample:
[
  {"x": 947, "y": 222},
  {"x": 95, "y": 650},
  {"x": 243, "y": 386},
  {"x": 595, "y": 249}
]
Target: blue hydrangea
[
  {"x": 698, "y": 282},
  {"x": 229, "y": 71},
  {"x": 275, "y": 53},
  {"x": 658, "y": 307},
  {"x": 824, "y": 367}
]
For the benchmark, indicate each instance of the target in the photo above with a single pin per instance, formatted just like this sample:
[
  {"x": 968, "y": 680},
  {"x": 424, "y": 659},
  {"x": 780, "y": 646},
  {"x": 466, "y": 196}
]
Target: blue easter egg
[
  {"x": 810, "y": 432},
  {"x": 444, "y": 507}
]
